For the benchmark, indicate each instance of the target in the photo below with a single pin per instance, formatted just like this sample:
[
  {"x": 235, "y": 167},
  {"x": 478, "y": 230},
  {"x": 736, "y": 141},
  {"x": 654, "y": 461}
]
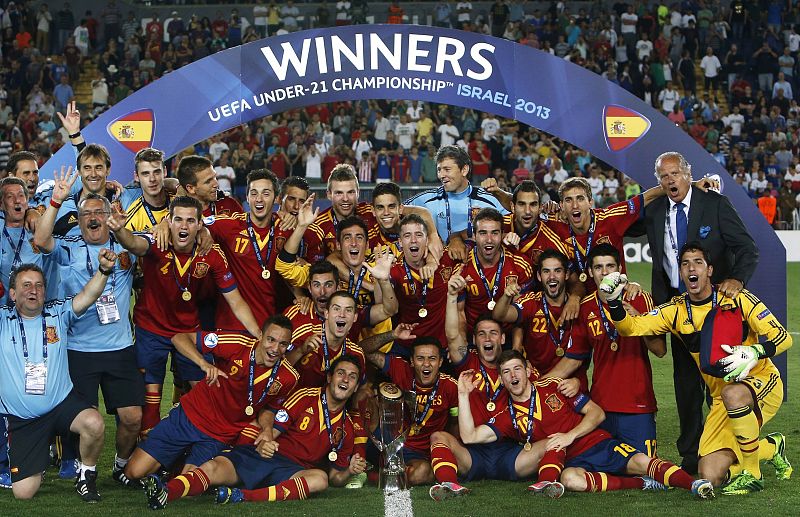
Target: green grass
[{"x": 57, "y": 497}]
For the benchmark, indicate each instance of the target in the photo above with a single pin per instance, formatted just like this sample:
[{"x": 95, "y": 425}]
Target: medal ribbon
[
  {"x": 443, "y": 193},
  {"x": 546, "y": 310},
  {"x": 252, "y": 377},
  {"x": 431, "y": 396},
  {"x": 512, "y": 411},
  {"x": 576, "y": 247},
  {"x": 326, "y": 361},
  {"x": 488, "y": 382},
  {"x": 326, "y": 413},
  {"x": 263, "y": 263},
  {"x": 354, "y": 285},
  {"x": 25, "y": 340},
  {"x": 491, "y": 289},
  {"x": 17, "y": 249},
  {"x": 410, "y": 277},
  {"x": 689, "y": 305},
  {"x": 610, "y": 329},
  {"x": 182, "y": 269}
]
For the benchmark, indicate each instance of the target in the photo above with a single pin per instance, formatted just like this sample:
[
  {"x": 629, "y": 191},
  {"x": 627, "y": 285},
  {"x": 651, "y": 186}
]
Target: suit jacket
[{"x": 715, "y": 224}]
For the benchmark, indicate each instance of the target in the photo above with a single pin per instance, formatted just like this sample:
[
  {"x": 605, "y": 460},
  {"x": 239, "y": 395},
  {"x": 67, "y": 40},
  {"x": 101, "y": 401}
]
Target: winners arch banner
[{"x": 429, "y": 64}]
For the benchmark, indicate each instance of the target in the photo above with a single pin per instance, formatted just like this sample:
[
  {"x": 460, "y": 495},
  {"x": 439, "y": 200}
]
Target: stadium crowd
[{"x": 512, "y": 296}]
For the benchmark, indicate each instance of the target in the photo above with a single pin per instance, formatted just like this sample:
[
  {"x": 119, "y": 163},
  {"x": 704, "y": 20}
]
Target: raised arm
[
  {"x": 505, "y": 310},
  {"x": 94, "y": 288},
  {"x": 242, "y": 312},
  {"x": 453, "y": 319},
  {"x": 136, "y": 244},
  {"x": 466, "y": 424},
  {"x": 43, "y": 237}
]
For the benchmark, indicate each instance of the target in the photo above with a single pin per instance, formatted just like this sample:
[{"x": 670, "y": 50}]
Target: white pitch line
[{"x": 398, "y": 504}]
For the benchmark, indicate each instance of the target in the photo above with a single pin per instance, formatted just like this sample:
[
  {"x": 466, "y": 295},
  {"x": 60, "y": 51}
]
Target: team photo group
[{"x": 284, "y": 324}]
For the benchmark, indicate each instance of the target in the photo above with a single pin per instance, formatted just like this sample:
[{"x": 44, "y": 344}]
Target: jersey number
[
  {"x": 539, "y": 325},
  {"x": 625, "y": 450},
  {"x": 595, "y": 326},
  {"x": 241, "y": 244},
  {"x": 304, "y": 423}
]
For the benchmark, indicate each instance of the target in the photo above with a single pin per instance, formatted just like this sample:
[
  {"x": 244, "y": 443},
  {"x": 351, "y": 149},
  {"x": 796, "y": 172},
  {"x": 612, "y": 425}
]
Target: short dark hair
[
  {"x": 342, "y": 172},
  {"x": 323, "y": 267},
  {"x": 489, "y": 214},
  {"x": 426, "y": 341},
  {"x": 94, "y": 151},
  {"x": 19, "y": 156},
  {"x": 526, "y": 186},
  {"x": 349, "y": 222},
  {"x": 279, "y": 320},
  {"x": 456, "y": 153},
  {"x": 148, "y": 154},
  {"x": 186, "y": 202},
  {"x": 487, "y": 316},
  {"x": 12, "y": 280},
  {"x": 414, "y": 219},
  {"x": 189, "y": 166},
  {"x": 694, "y": 246},
  {"x": 603, "y": 250},
  {"x": 510, "y": 355},
  {"x": 263, "y": 174},
  {"x": 387, "y": 188},
  {"x": 12, "y": 180},
  {"x": 343, "y": 293},
  {"x": 346, "y": 358},
  {"x": 571, "y": 183},
  {"x": 552, "y": 253},
  {"x": 293, "y": 181}
]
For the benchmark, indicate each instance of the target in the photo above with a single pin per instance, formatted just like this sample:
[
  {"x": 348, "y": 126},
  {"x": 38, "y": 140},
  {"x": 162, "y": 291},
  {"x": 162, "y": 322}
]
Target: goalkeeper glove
[
  {"x": 612, "y": 285},
  {"x": 741, "y": 360}
]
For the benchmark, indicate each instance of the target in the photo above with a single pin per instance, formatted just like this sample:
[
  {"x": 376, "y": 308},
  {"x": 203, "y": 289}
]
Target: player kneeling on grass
[
  {"x": 745, "y": 386},
  {"x": 311, "y": 446},
  {"x": 594, "y": 461}
]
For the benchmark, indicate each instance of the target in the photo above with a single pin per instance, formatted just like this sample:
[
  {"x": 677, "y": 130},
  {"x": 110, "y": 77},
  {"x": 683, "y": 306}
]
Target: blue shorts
[
  {"x": 637, "y": 429},
  {"x": 175, "y": 435},
  {"x": 255, "y": 471},
  {"x": 493, "y": 461},
  {"x": 152, "y": 352},
  {"x": 610, "y": 456}
]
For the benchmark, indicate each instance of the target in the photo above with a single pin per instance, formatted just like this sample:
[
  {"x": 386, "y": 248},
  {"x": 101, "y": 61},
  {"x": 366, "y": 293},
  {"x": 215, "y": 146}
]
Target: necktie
[{"x": 681, "y": 228}]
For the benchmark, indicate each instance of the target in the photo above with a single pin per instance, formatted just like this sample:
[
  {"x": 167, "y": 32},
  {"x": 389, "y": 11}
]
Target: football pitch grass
[{"x": 58, "y": 497}]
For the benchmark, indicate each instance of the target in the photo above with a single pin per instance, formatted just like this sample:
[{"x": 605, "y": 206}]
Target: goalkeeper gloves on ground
[
  {"x": 741, "y": 360},
  {"x": 612, "y": 285}
]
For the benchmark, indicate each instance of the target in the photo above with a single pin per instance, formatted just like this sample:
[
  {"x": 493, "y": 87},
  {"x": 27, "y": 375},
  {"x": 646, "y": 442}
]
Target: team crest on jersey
[
  {"x": 282, "y": 416},
  {"x": 275, "y": 388},
  {"x": 338, "y": 434},
  {"x": 200, "y": 270},
  {"x": 34, "y": 247},
  {"x": 554, "y": 403},
  {"x": 279, "y": 242},
  {"x": 210, "y": 341},
  {"x": 446, "y": 273},
  {"x": 52, "y": 335},
  {"x": 125, "y": 260},
  {"x": 604, "y": 239}
]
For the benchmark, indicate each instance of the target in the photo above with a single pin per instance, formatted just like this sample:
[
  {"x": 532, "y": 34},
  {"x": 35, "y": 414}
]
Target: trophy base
[{"x": 391, "y": 482}]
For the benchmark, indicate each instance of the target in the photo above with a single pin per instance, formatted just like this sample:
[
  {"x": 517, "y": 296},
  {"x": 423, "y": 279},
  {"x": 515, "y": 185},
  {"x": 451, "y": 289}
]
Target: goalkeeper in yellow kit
[{"x": 745, "y": 385}]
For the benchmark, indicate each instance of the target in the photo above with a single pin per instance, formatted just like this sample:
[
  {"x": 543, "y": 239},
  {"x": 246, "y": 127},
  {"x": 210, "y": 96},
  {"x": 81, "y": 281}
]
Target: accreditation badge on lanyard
[
  {"x": 107, "y": 310},
  {"x": 35, "y": 373}
]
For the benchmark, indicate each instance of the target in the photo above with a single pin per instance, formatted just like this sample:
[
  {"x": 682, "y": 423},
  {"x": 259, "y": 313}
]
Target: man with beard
[
  {"x": 248, "y": 379},
  {"x": 197, "y": 177},
  {"x": 568, "y": 426},
  {"x": 311, "y": 447},
  {"x": 490, "y": 268},
  {"x": 101, "y": 353},
  {"x": 545, "y": 340},
  {"x": 436, "y": 401},
  {"x": 175, "y": 282},
  {"x": 420, "y": 301}
]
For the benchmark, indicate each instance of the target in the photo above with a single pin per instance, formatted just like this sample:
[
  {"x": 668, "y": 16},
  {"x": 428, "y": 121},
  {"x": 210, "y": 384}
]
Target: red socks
[
  {"x": 602, "y": 482},
  {"x": 151, "y": 413},
  {"x": 669, "y": 474},
  {"x": 551, "y": 465},
  {"x": 443, "y": 461},
  {"x": 291, "y": 489},
  {"x": 190, "y": 484}
]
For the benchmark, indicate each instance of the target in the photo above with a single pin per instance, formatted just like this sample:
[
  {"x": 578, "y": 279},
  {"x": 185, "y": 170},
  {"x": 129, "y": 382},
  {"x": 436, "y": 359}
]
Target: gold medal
[
  {"x": 422, "y": 312},
  {"x": 491, "y": 305},
  {"x": 582, "y": 277},
  {"x": 265, "y": 274},
  {"x": 490, "y": 406},
  {"x": 528, "y": 446},
  {"x": 332, "y": 455},
  {"x": 414, "y": 429},
  {"x": 614, "y": 346},
  {"x": 248, "y": 410},
  {"x": 559, "y": 352},
  {"x": 186, "y": 296}
]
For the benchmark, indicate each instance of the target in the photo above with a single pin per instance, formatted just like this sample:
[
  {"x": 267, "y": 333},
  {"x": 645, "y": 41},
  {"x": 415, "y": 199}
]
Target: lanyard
[
  {"x": 529, "y": 430},
  {"x": 326, "y": 361},
  {"x": 354, "y": 285},
  {"x": 431, "y": 396},
  {"x": 488, "y": 382},
  {"x": 443, "y": 193},
  {"x": 264, "y": 263},
  {"x": 546, "y": 310},
  {"x": 90, "y": 268},
  {"x": 25, "y": 340},
  {"x": 17, "y": 249},
  {"x": 410, "y": 277},
  {"x": 252, "y": 377},
  {"x": 576, "y": 248},
  {"x": 610, "y": 329},
  {"x": 149, "y": 213},
  {"x": 176, "y": 267},
  {"x": 213, "y": 207},
  {"x": 524, "y": 236},
  {"x": 326, "y": 413},
  {"x": 491, "y": 289},
  {"x": 689, "y": 305},
  {"x": 672, "y": 240}
]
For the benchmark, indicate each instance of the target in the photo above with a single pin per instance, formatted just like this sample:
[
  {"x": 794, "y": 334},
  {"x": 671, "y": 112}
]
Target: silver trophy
[{"x": 396, "y": 412}]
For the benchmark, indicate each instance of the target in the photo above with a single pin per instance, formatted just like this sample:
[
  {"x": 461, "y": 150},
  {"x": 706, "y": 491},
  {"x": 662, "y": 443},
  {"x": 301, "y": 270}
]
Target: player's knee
[
  {"x": 420, "y": 473},
  {"x": 93, "y": 426},
  {"x": 317, "y": 481},
  {"x": 573, "y": 480},
  {"x": 736, "y": 396},
  {"x": 25, "y": 490},
  {"x": 716, "y": 478},
  {"x": 440, "y": 437},
  {"x": 130, "y": 418}
]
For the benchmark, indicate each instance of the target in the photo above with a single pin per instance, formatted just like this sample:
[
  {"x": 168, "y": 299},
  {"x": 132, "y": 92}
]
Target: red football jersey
[
  {"x": 532, "y": 245},
  {"x": 444, "y": 405},
  {"x": 622, "y": 380},
  {"x": 230, "y": 232},
  {"x": 320, "y": 237},
  {"x": 479, "y": 397},
  {"x": 160, "y": 309},
  {"x": 378, "y": 238},
  {"x": 219, "y": 411},
  {"x": 610, "y": 225},
  {"x": 304, "y": 325},
  {"x": 553, "y": 413},
  {"x": 304, "y": 438},
  {"x": 542, "y": 340},
  {"x": 409, "y": 295},
  {"x": 312, "y": 368},
  {"x": 475, "y": 297},
  {"x": 225, "y": 205}
]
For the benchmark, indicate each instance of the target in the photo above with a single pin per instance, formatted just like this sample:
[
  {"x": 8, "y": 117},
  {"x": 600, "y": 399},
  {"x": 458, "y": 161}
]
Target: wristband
[
  {"x": 55, "y": 204},
  {"x": 106, "y": 272},
  {"x": 75, "y": 135}
]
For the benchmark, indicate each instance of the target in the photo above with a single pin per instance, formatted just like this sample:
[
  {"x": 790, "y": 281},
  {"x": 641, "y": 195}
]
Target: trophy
[{"x": 396, "y": 411}]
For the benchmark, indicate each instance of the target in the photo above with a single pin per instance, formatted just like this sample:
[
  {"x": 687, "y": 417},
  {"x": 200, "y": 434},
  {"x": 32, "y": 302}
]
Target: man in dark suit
[{"x": 688, "y": 213}]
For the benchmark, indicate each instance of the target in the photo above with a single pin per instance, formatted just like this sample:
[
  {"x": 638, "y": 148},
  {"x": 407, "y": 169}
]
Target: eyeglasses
[{"x": 95, "y": 213}]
